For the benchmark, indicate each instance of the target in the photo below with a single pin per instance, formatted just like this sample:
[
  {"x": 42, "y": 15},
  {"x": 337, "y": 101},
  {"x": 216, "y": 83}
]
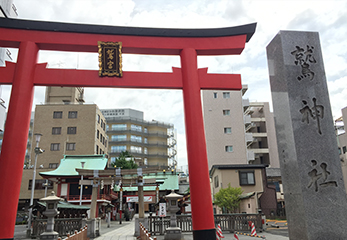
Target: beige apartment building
[
  {"x": 257, "y": 194},
  {"x": 68, "y": 127},
  {"x": 151, "y": 143}
]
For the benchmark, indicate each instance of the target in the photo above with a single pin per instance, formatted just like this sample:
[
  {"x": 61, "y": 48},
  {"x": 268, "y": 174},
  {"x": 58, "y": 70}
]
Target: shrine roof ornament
[{"x": 247, "y": 29}]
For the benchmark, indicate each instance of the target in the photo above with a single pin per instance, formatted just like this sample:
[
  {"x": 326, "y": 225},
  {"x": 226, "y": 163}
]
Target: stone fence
[{"x": 228, "y": 222}]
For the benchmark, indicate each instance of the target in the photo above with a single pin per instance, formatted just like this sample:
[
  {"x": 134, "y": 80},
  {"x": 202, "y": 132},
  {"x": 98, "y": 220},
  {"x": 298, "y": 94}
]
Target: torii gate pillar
[
  {"x": 30, "y": 36},
  {"x": 203, "y": 224}
]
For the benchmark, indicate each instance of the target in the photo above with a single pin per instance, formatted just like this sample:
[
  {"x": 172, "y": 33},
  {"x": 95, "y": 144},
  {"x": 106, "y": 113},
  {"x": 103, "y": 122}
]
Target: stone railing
[
  {"x": 228, "y": 222},
  {"x": 63, "y": 226}
]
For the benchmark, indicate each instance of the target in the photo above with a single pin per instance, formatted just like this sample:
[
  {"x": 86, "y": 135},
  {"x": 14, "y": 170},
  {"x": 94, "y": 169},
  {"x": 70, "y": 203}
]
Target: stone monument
[{"x": 314, "y": 192}]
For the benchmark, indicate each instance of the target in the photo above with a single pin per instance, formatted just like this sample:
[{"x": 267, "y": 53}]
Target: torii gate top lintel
[
  {"x": 83, "y": 37},
  {"x": 32, "y": 36}
]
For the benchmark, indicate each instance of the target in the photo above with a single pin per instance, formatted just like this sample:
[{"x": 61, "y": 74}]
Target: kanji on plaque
[{"x": 110, "y": 59}]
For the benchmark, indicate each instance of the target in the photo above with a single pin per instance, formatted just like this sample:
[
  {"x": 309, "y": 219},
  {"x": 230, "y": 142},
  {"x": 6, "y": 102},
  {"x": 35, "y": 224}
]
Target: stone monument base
[
  {"x": 173, "y": 233},
  {"x": 49, "y": 235}
]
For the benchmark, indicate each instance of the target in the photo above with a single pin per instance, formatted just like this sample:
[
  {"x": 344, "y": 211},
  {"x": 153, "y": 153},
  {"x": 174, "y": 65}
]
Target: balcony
[
  {"x": 249, "y": 137},
  {"x": 129, "y": 142},
  {"x": 250, "y": 155},
  {"x": 138, "y": 121},
  {"x": 148, "y": 134}
]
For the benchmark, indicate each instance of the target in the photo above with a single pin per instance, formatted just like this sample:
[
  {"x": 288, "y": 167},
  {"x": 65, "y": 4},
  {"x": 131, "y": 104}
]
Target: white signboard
[
  {"x": 162, "y": 209},
  {"x": 136, "y": 199}
]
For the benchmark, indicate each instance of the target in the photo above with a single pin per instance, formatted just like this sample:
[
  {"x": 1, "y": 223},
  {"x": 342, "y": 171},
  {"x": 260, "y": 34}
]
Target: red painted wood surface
[{"x": 26, "y": 73}]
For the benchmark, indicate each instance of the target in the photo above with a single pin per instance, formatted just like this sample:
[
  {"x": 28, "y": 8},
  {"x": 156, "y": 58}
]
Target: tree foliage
[
  {"x": 228, "y": 198},
  {"x": 124, "y": 161}
]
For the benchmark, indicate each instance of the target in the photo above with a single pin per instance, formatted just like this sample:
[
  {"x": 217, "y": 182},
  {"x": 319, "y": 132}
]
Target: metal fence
[{"x": 228, "y": 222}]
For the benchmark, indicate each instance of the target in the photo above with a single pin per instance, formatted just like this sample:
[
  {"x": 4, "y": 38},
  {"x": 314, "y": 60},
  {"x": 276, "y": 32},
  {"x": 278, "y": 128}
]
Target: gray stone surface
[{"x": 314, "y": 192}]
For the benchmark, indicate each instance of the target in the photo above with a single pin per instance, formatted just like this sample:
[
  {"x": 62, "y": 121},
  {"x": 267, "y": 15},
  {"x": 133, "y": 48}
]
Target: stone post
[{"x": 314, "y": 192}]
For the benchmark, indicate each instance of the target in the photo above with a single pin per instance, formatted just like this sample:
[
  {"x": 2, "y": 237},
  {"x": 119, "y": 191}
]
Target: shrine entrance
[{"x": 31, "y": 36}]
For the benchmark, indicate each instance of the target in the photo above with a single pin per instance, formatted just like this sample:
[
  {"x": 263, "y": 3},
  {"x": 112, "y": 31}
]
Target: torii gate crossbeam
[{"x": 32, "y": 36}]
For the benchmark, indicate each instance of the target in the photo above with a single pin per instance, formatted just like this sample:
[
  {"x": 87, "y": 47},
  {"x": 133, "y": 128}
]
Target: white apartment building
[
  {"x": 224, "y": 127},
  {"x": 237, "y": 131},
  {"x": 260, "y": 134}
]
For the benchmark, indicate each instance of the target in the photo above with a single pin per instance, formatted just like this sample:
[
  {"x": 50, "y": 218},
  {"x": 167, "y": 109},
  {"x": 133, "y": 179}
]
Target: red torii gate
[{"x": 32, "y": 36}]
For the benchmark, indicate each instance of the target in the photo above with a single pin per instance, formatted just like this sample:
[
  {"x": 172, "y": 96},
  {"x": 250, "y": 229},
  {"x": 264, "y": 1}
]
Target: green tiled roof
[
  {"x": 166, "y": 182},
  {"x": 69, "y": 163},
  {"x": 66, "y": 205}
]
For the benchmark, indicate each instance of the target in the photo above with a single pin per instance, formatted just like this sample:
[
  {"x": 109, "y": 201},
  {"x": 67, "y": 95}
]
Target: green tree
[
  {"x": 125, "y": 161},
  {"x": 228, "y": 198}
]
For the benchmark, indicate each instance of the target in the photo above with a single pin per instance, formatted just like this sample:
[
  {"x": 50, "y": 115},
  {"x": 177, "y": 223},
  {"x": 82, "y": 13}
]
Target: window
[
  {"x": 340, "y": 151},
  {"x": 216, "y": 182},
  {"x": 118, "y": 127},
  {"x": 145, "y": 130},
  {"x": 71, "y": 130},
  {"x": 57, "y": 114},
  {"x": 145, "y": 161},
  {"x": 226, "y": 112},
  {"x": 145, "y": 150},
  {"x": 215, "y": 95},
  {"x": 118, "y": 138},
  {"x": 118, "y": 149},
  {"x": 41, "y": 184},
  {"x": 56, "y": 130},
  {"x": 226, "y": 94},
  {"x": 134, "y": 138},
  {"x": 145, "y": 140},
  {"x": 135, "y": 149},
  {"x": 227, "y": 130},
  {"x": 228, "y": 148},
  {"x": 97, "y": 134},
  {"x": 97, "y": 149},
  {"x": 247, "y": 178},
  {"x": 55, "y": 146},
  {"x": 113, "y": 159},
  {"x": 98, "y": 118},
  {"x": 53, "y": 165},
  {"x": 136, "y": 128},
  {"x": 72, "y": 114},
  {"x": 344, "y": 149},
  {"x": 70, "y": 146}
]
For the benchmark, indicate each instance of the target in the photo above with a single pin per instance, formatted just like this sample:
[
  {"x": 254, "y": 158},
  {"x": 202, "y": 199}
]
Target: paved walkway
[{"x": 126, "y": 231}]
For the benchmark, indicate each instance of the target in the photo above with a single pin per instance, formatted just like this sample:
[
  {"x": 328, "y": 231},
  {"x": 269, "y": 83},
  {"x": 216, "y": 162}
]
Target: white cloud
[{"x": 326, "y": 17}]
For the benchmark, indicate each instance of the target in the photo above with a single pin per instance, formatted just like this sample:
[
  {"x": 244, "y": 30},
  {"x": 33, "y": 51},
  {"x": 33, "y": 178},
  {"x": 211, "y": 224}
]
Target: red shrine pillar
[
  {"x": 200, "y": 192},
  {"x": 15, "y": 137}
]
